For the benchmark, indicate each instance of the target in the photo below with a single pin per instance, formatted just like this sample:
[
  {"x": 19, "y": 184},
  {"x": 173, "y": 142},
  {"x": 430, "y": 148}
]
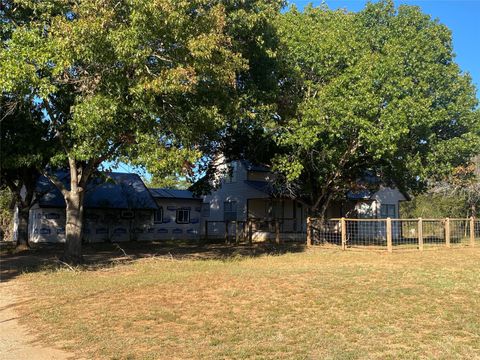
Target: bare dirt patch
[{"x": 16, "y": 341}]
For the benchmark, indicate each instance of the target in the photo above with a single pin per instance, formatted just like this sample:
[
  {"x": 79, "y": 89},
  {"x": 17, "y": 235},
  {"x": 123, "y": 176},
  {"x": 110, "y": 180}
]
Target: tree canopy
[
  {"x": 147, "y": 82},
  {"x": 377, "y": 91}
]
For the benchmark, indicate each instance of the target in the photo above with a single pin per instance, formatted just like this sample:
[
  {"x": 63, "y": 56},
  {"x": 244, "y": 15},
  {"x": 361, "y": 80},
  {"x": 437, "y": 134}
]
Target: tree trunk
[
  {"x": 22, "y": 231},
  {"x": 322, "y": 209},
  {"x": 74, "y": 226}
]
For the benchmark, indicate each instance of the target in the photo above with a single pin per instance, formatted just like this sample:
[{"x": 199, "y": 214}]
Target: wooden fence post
[
  {"x": 277, "y": 231},
  {"x": 447, "y": 232},
  {"x": 343, "y": 230},
  {"x": 309, "y": 231},
  {"x": 420, "y": 234},
  {"x": 250, "y": 231},
  {"x": 472, "y": 231},
  {"x": 389, "y": 235}
]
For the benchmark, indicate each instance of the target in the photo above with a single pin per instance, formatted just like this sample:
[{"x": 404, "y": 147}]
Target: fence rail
[
  {"x": 255, "y": 230},
  {"x": 394, "y": 234}
]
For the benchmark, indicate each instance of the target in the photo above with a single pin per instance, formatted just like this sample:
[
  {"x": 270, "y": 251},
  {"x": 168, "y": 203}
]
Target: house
[
  {"x": 244, "y": 191},
  {"x": 178, "y": 215},
  {"x": 117, "y": 207}
]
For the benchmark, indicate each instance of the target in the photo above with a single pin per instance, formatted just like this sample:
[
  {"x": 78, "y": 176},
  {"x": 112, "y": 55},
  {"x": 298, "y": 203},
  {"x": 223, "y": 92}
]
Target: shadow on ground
[{"x": 13, "y": 263}]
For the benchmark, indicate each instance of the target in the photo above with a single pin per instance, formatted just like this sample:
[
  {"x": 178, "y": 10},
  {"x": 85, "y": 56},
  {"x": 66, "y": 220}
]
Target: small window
[
  {"x": 51, "y": 216},
  {"x": 230, "y": 210},
  {"x": 127, "y": 214},
  {"x": 205, "y": 209},
  {"x": 158, "y": 216},
  {"x": 388, "y": 211},
  {"x": 183, "y": 216}
]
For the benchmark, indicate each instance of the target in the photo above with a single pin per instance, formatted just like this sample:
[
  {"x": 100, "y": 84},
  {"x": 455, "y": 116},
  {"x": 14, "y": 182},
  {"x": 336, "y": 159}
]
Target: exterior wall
[
  {"x": 47, "y": 225},
  {"x": 371, "y": 209},
  {"x": 389, "y": 196},
  {"x": 169, "y": 228},
  {"x": 237, "y": 191}
]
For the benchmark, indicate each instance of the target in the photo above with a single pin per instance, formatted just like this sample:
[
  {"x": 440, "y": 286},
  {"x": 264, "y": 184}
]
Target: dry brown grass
[{"x": 321, "y": 304}]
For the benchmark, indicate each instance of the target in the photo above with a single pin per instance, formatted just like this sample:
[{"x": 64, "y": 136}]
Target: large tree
[
  {"x": 25, "y": 148},
  {"x": 140, "y": 81},
  {"x": 25, "y": 141},
  {"x": 379, "y": 93}
]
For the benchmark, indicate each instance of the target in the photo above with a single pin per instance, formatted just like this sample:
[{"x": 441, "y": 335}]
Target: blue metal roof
[
  {"x": 165, "y": 193},
  {"x": 111, "y": 191}
]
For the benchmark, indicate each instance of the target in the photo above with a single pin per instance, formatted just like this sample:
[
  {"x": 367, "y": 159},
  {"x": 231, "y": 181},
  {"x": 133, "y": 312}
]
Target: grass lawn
[{"x": 318, "y": 304}]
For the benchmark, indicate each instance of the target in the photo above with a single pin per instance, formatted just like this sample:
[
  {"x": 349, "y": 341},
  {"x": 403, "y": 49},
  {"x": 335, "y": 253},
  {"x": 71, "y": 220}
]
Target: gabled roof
[
  {"x": 112, "y": 190},
  {"x": 165, "y": 193}
]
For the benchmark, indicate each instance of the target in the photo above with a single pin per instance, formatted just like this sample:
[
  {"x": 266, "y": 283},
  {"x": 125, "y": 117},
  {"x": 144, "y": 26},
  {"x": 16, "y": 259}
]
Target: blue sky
[{"x": 461, "y": 16}]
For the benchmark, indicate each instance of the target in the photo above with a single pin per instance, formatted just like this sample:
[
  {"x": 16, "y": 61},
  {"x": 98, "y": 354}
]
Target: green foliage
[
  {"x": 170, "y": 182},
  {"x": 435, "y": 206},
  {"x": 114, "y": 76},
  {"x": 378, "y": 90},
  {"x": 6, "y": 214}
]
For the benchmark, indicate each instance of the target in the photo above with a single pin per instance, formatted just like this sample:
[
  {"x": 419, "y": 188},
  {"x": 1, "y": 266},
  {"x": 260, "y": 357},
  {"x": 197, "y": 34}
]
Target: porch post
[
  {"x": 309, "y": 231},
  {"x": 277, "y": 231},
  {"x": 226, "y": 232}
]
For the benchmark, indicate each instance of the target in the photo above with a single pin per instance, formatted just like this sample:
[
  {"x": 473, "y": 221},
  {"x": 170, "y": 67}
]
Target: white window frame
[
  {"x": 156, "y": 218},
  {"x": 184, "y": 219}
]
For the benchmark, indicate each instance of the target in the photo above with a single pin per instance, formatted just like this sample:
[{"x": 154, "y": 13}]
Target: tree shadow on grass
[{"x": 46, "y": 256}]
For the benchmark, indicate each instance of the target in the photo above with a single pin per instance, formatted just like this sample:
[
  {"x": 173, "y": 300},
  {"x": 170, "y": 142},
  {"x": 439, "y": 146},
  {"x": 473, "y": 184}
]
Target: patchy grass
[{"x": 321, "y": 304}]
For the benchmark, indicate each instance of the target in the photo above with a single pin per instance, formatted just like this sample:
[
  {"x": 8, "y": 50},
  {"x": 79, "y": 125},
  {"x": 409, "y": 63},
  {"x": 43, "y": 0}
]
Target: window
[
  {"x": 158, "y": 216},
  {"x": 275, "y": 209},
  {"x": 205, "y": 209},
  {"x": 230, "y": 210},
  {"x": 127, "y": 214},
  {"x": 388, "y": 210},
  {"x": 183, "y": 216}
]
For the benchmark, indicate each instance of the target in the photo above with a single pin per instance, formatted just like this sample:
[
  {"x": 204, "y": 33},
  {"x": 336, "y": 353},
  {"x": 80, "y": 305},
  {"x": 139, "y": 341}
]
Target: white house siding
[
  {"x": 372, "y": 210},
  {"x": 46, "y": 225},
  {"x": 236, "y": 190},
  {"x": 169, "y": 229}
]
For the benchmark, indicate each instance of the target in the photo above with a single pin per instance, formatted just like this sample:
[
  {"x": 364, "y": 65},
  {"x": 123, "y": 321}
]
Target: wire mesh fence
[
  {"x": 393, "y": 234},
  {"x": 368, "y": 234}
]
